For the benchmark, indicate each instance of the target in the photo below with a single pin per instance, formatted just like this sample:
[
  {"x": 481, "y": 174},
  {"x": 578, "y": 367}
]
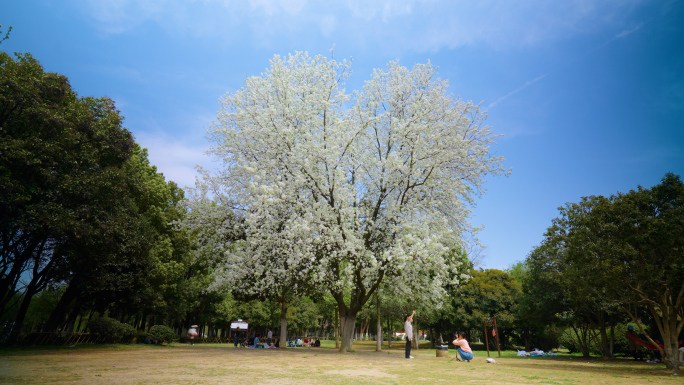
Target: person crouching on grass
[
  {"x": 408, "y": 328},
  {"x": 463, "y": 348}
]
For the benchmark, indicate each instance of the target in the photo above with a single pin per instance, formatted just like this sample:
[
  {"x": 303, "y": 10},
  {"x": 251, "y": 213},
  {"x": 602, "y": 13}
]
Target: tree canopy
[{"x": 374, "y": 185}]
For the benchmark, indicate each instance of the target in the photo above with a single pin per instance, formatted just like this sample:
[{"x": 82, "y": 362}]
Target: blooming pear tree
[
  {"x": 250, "y": 270},
  {"x": 343, "y": 191}
]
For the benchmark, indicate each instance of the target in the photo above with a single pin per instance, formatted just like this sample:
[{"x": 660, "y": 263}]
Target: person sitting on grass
[
  {"x": 463, "y": 348},
  {"x": 317, "y": 344}
]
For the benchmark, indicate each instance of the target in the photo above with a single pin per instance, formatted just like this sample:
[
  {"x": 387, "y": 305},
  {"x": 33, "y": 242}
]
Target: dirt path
[{"x": 223, "y": 364}]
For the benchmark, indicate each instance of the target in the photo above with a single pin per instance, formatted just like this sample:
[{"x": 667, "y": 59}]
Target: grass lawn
[{"x": 223, "y": 364}]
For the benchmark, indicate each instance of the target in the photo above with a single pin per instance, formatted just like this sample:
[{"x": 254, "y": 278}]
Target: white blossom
[{"x": 345, "y": 190}]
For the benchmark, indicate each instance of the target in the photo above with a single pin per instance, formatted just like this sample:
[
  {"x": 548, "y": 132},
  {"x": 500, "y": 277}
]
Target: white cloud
[
  {"x": 627, "y": 32},
  {"x": 407, "y": 25},
  {"x": 328, "y": 24},
  {"x": 271, "y": 7},
  {"x": 174, "y": 157}
]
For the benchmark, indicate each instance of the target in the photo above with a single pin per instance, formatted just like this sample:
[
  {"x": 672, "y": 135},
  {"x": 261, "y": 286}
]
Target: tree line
[
  {"x": 85, "y": 216},
  {"x": 607, "y": 260}
]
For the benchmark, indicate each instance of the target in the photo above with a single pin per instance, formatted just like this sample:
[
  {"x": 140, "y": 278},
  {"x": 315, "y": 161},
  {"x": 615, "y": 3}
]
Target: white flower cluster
[{"x": 341, "y": 191}]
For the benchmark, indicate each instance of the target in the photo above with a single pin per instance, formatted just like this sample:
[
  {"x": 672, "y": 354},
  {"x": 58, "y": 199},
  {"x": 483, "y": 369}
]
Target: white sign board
[{"x": 239, "y": 324}]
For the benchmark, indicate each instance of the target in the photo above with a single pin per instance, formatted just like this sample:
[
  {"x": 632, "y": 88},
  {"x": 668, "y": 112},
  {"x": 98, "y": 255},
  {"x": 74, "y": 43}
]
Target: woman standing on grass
[
  {"x": 192, "y": 332},
  {"x": 463, "y": 348},
  {"x": 408, "y": 329}
]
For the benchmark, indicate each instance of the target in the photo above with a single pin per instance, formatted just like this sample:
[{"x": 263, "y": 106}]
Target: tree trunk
[
  {"x": 378, "y": 344},
  {"x": 416, "y": 333},
  {"x": 283, "y": 324},
  {"x": 365, "y": 335},
  {"x": 389, "y": 333},
  {"x": 670, "y": 325},
  {"x": 57, "y": 316},
  {"x": 21, "y": 313},
  {"x": 605, "y": 342},
  {"x": 612, "y": 338},
  {"x": 347, "y": 326},
  {"x": 337, "y": 329},
  {"x": 21, "y": 262},
  {"x": 582, "y": 340}
]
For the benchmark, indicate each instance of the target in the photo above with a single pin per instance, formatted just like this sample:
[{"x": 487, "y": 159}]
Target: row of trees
[
  {"x": 605, "y": 259},
  {"x": 85, "y": 217}
]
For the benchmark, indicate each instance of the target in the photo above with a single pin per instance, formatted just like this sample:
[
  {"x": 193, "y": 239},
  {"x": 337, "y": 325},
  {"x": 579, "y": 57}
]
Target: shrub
[
  {"x": 162, "y": 334},
  {"x": 620, "y": 345},
  {"x": 548, "y": 340},
  {"x": 569, "y": 341},
  {"x": 111, "y": 331},
  {"x": 142, "y": 336},
  {"x": 128, "y": 332}
]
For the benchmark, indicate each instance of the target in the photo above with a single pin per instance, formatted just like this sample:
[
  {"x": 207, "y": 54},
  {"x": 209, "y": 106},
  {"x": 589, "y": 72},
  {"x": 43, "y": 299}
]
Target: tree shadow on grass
[{"x": 602, "y": 366}]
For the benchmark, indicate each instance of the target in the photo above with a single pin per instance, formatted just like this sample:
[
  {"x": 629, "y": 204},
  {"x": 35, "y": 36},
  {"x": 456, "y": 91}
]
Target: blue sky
[{"x": 589, "y": 95}]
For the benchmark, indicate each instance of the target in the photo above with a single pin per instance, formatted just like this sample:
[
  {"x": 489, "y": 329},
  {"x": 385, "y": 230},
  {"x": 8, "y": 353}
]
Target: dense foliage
[{"x": 83, "y": 212}]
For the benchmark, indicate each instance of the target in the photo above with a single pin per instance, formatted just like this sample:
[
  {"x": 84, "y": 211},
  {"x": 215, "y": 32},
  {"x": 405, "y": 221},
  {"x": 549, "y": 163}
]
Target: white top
[
  {"x": 408, "y": 328},
  {"x": 270, "y": 334}
]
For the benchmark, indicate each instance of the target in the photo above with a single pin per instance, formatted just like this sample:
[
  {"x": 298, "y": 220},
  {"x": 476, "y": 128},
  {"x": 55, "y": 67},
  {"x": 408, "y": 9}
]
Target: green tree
[
  {"x": 136, "y": 261},
  {"x": 60, "y": 159},
  {"x": 624, "y": 249},
  {"x": 490, "y": 293},
  {"x": 587, "y": 275},
  {"x": 642, "y": 245}
]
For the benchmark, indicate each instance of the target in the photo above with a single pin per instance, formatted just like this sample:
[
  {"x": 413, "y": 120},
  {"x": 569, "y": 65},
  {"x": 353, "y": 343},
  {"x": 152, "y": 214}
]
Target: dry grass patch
[{"x": 223, "y": 364}]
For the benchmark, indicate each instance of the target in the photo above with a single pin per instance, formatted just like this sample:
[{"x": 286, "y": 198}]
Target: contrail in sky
[{"x": 515, "y": 91}]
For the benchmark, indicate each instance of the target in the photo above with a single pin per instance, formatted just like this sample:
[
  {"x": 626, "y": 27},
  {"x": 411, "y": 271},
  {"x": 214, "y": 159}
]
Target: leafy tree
[
  {"x": 253, "y": 272},
  {"x": 374, "y": 187},
  {"x": 587, "y": 277},
  {"x": 490, "y": 293},
  {"x": 624, "y": 249},
  {"x": 543, "y": 300},
  {"x": 82, "y": 208},
  {"x": 141, "y": 261},
  {"x": 642, "y": 246},
  {"x": 60, "y": 159}
]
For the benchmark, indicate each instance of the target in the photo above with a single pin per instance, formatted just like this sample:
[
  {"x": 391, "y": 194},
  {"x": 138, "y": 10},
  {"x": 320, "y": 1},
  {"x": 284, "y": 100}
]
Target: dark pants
[{"x": 408, "y": 348}]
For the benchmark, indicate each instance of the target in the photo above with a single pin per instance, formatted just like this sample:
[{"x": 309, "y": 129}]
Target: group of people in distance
[
  {"x": 463, "y": 348},
  {"x": 269, "y": 341},
  {"x": 254, "y": 341},
  {"x": 299, "y": 342}
]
